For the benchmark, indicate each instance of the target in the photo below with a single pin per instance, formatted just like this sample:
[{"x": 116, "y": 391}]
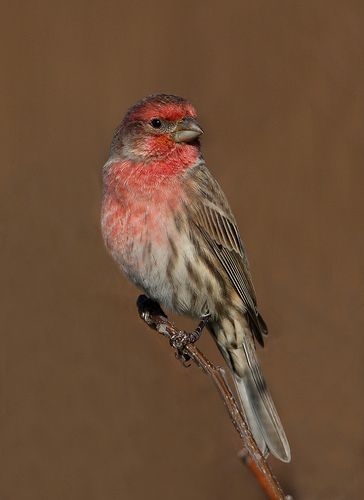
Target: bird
[{"x": 167, "y": 223}]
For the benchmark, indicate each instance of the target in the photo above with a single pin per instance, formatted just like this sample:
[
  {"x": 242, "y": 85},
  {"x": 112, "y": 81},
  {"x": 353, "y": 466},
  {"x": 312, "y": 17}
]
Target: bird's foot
[
  {"x": 181, "y": 339},
  {"x": 151, "y": 312}
]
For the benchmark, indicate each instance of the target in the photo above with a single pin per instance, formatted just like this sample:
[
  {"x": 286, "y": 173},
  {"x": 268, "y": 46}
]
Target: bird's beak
[{"x": 187, "y": 130}]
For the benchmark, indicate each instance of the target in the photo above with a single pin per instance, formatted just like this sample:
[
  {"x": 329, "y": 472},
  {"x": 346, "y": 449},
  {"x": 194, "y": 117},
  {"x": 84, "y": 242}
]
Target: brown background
[{"x": 93, "y": 405}]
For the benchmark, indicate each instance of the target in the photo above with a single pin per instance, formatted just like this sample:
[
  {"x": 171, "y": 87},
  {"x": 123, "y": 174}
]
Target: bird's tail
[{"x": 256, "y": 401}]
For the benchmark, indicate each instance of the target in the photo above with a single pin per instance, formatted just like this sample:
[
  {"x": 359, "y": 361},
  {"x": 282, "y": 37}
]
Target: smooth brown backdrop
[{"x": 93, "y": 405}]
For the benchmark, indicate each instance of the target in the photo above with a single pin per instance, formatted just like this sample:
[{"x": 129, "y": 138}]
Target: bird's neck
[{"x": 139, "y": 177}]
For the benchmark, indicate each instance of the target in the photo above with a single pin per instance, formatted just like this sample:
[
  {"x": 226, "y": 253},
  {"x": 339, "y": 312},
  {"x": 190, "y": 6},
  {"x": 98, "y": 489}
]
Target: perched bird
[{"x": 169, "y": 227}]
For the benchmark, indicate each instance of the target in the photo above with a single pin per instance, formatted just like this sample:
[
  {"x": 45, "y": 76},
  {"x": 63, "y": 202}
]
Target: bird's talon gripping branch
[
  {"x": 145, "y": 316},
  {"x": 179, "y": 340}
]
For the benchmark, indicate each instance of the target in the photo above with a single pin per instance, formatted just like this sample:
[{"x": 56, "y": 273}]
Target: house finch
[{"x": 169, "y": 227}]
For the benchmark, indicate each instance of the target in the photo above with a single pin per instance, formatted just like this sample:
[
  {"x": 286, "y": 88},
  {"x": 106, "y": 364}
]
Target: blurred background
[{"x": 93, "y": 405}]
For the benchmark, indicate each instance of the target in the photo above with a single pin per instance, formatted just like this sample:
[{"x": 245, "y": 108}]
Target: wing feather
[{"x": 213, "y": 217}]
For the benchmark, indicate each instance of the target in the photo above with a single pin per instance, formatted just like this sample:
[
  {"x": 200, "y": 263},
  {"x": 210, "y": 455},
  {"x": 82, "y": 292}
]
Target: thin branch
[{"x": 152, "y": 314}]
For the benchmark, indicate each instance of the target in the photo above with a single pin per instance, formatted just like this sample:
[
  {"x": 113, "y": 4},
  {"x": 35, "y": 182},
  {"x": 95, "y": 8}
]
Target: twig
[{"x": 183, "y": 341}]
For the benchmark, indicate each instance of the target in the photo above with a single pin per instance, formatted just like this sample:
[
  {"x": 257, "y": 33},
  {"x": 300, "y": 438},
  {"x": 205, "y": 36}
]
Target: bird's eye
[{"x": 156, "y": 123}]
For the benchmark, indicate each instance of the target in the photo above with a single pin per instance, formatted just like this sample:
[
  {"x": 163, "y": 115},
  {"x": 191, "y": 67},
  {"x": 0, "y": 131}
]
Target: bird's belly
[
  {"x": 161, "y": 268},
  {"x": 159, "y": 257}
]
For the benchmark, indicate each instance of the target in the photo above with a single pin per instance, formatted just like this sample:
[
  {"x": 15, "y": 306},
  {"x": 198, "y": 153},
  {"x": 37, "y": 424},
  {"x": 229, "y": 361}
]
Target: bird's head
[{"x": 155, "y": 127}]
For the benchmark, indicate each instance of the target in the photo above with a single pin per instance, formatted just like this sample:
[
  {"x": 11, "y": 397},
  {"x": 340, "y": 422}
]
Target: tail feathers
[
  {"x": 250, "y": 415},
  {"x": 257, "y": 403}
]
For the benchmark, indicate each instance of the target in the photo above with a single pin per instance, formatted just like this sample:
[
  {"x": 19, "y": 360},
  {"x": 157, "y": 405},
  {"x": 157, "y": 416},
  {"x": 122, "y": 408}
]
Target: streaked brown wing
[{"x": 213, "y": 217}]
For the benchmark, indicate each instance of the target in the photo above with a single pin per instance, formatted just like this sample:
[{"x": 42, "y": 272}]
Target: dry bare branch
[{"x": 183, "y": 341}]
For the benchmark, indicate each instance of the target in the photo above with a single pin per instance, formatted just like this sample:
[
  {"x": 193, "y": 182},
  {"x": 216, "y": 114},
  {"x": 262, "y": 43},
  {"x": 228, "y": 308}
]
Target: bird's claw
[
  {"x": 145, "y": 316},
  {"x": 179, "y": 341}
]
